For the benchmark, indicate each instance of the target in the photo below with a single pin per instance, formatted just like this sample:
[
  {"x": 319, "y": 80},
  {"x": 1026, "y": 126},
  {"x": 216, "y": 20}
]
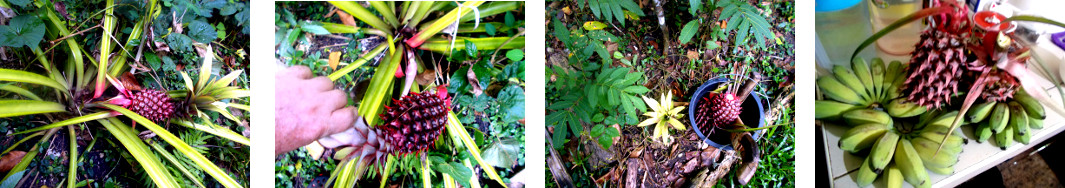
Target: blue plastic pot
[{"x": 752, "y": 113}]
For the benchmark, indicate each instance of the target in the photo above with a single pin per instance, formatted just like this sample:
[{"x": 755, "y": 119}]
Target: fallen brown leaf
[
  {"x": 472, "y": 79},
  {"x": 693, "y": 54},
  {"x": 334, "y": 60},
  {"x": 346, "y": 18},
  {"x": 425, "y": 77},
  {"x": 9, "y": 160}
]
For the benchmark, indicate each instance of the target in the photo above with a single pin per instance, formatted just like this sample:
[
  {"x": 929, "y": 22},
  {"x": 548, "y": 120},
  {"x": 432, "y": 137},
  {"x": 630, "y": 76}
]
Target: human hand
[{"x": 307, "y": 109}]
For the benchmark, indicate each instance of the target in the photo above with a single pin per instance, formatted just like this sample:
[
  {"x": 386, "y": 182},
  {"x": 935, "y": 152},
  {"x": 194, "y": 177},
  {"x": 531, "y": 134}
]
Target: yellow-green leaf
[
  {"x": 147, "y": 160},
  {"x": 18, "y": 90},
  {"x": 594, "y": 25},
  {"x": 71, "y": 121},
  {"x": 28, "y": 77},
  {"x": 454, "y": 128},
  {"x": 216, "y": 130},
  {"x": 202, "y": 162},
  {"x": 11, "y": 108}
]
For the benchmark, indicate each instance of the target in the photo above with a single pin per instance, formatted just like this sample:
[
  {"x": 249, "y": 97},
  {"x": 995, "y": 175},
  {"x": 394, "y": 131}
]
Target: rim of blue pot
[{"x": 695, "y": 103}]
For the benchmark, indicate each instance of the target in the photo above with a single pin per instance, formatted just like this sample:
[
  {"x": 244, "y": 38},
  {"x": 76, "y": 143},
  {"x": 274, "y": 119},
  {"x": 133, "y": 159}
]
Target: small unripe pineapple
[{"x": 152, "y": 104}]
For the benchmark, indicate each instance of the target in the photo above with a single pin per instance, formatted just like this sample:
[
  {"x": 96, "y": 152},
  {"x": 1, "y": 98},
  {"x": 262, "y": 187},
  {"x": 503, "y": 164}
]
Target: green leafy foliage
[
  {"x": 694, "y": 6},
  {"x": 23, "y": 30},
  {"x": 595, "y": 89},
  {"x": 610, "y": 10},
  {"x": 604, "y": 135},
  {"x": 586, "y": 44},
  {"x": 748, "y": 20},
  {"x": 298, "y": 165},
  {"x": 456, "y": 170},
  {"x": 201, "y": 31},
  {"x": 168, "y": 53}
]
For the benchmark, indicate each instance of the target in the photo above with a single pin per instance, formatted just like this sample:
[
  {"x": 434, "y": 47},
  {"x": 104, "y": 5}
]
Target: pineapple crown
[
  {"x": 955, "y": 22},
  {"x": 125, "y": 89}
]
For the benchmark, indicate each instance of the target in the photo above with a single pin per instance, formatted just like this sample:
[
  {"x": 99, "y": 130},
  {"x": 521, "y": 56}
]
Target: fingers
[
  {"x": 333, "y": 99},
  {"x": 341, "y": 120},
  {"x": 320, "y": 83},
  {"x": 301, "y": 72}
]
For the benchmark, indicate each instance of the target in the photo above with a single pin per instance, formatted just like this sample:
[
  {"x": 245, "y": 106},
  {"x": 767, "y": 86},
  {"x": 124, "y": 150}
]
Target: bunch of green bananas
[
  {"x": 912, "y": 148},
  {"x": 882, "y": 123},
  {"x": 852, "y": 94},
  {"x": 1007, "y": 121}
]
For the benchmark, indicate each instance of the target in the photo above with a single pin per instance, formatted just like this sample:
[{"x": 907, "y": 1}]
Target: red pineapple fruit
[
  {"x": 410, "y": 125},
  {"x": 155, "y": 105},
  {"x": 413, "y": 122},
  {"x": 717, "y": 110}
]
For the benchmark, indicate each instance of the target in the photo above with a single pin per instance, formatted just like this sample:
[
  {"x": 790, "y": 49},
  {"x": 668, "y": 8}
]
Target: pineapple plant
[
  {"x": 65, "y": 92},
  {"x": 400, "y": 120},
  {"x": 664, "y": 115}
]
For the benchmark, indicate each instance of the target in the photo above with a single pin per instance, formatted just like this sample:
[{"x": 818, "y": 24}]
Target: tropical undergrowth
[{"x": 598, "y": 66}]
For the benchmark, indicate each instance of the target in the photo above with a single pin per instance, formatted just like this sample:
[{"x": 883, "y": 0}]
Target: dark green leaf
[
  {"x": 594, "y": 5},
  {"x": 153, "y": 60},
  {"x": 618, "y": 13},
  {"x": 695, "y": 5},
  {"x": 23, "y": 30},
  {"x": 490, "y": 29},
  {"x": 471, "y": 49},
  {"x": 21, "y": 3},
  {"x": 632, "y": 7},
  {"x": 508, "y": 19},
  {"x": 179, "y": 42},
  {"x": 201, "y": 31},
  {"x": 513, "y": 101},
  {"x": 688, "y": 31},
  {"x": 561, "y": 32}
]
